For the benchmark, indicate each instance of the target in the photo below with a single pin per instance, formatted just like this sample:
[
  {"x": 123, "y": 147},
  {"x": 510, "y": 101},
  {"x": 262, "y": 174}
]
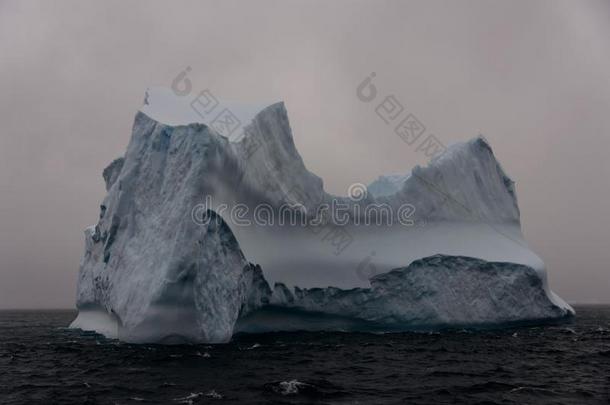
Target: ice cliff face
[
  {"x": 150, "y": 273},
  {"x": 432, "y": 292}
]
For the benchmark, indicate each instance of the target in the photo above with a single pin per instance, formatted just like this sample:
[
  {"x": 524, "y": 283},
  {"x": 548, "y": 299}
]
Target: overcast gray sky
[{"x": 532, "y": 76}]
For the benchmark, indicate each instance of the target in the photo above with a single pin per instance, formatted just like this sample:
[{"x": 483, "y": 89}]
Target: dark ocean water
[{"x": 42, "y": 362}]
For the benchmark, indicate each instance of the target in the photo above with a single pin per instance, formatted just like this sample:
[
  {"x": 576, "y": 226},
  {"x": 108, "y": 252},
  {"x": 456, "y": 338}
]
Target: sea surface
[{"x": 43, "y": 362}]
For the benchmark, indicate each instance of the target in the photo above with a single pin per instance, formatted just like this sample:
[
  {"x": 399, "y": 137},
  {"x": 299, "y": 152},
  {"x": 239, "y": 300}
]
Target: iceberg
[{"x": 203, "y": 214}]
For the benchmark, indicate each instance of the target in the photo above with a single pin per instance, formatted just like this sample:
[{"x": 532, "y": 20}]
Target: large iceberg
[{"x": 169, "y": 261}]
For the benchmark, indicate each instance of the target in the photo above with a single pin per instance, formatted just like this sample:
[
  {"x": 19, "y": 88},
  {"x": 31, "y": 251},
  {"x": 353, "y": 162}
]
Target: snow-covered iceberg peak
[
  {"x": 229, "y": 118},
  {"x": 152, "y": 271}
]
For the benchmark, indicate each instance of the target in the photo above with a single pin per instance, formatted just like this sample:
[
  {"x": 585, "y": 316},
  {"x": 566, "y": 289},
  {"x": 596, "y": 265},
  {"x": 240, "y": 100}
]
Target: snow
[
  {"x": 99, "y": 320},
  {"x": 164, "y": 106},
  {"x": 151, "y": 274}
]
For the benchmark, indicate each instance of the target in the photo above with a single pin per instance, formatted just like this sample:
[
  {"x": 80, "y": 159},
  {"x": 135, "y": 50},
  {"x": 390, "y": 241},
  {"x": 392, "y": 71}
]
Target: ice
[
  {"x": 432, "y": 292},
  {"x": 97, "y": 319},
  {"x": 163, "y": 105},
  {"x": 387, "y": 185},
  {"x": 151, "y": 273}
]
